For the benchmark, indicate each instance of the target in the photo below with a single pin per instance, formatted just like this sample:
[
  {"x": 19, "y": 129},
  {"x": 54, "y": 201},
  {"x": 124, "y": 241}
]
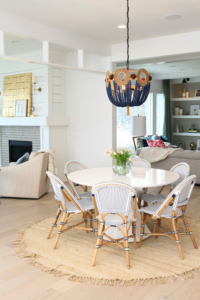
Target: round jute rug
[{"x": 157, "y": 260}]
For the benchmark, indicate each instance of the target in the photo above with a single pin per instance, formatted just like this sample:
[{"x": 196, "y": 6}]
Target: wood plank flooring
[{"x": 19, "y": 280}]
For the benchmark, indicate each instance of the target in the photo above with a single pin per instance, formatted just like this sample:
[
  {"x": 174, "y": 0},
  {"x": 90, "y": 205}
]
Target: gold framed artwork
[
  {"x": 21, "y": 108},
  {"x": 16, "y": 87}
]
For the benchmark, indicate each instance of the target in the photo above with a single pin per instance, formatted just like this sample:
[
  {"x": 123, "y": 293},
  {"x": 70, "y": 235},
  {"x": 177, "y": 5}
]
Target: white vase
[
  {"x": 177, "y": 128},
  {"x": 176, "y": 110},
  {"x": 180, "y": 111}
]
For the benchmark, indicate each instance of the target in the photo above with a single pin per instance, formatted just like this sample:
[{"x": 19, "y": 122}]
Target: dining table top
[{"x": 137, "y": 178}]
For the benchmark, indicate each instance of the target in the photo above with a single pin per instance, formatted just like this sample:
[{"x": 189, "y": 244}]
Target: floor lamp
[{"x": 138, "y": 128}]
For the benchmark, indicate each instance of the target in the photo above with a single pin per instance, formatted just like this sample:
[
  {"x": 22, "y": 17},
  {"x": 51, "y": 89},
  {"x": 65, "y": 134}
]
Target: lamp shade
[
  {"x": 34, "y": 79},
  {"x": 138, "y": 126}
]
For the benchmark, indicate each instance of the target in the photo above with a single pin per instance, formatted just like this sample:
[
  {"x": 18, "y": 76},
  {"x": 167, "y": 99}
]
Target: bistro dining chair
[
  {"x": 182, "y": 169},
  {"x": 179, "y": 196},
  {"x": 116, "y": 205},
  {"x": 72, "y": 166},
  {"x": 69, "y": 206}
]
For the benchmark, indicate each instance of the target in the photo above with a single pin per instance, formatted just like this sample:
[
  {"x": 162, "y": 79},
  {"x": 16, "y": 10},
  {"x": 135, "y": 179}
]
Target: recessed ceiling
[{"x": 99, "y": 19}]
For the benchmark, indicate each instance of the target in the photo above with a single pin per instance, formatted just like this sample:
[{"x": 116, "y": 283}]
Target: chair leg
[
  {"x": 91, "y": 225},
  {"x": 177, "y": 238},
  {"x": 62, "y": 223},
  {"x": 134, "y": 234},
  {"x": 158, "y": 222},
  {"x": 142, "y": 229},
  {"x": 85, "y": 216},
  {"x": 96, "y": 227},
  {"x": 98, "y": 244},
  {"x": 54, "y": 224},
  {"x": 188, "y": 230},
  {"x": 126, "y": 247}
]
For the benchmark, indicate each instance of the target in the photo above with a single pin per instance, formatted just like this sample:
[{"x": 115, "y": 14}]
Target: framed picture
[
  {"x": 197, "y": 93},
  {"x": 180, "y": 145},
  {"x": 194, "y": 109},
  {"x": 21, "y": 108}
]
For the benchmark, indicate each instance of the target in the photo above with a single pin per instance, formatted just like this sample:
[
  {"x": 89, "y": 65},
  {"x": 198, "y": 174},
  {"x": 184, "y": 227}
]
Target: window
[
  {"x": 160, "y": 113},
  {"x": 124, "y": 122}
]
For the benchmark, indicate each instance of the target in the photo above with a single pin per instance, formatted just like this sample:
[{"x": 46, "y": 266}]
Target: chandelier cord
[{"x": 127, "y": 14}]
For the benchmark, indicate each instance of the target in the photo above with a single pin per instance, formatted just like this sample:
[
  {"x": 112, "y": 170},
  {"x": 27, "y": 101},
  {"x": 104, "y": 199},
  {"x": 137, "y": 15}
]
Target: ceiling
[{"x": 99, "y": 19}]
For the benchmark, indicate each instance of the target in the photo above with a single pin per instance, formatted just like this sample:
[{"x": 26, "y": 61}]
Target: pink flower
[
  {"x": 120, "y": 147},
  {"x": 131, "y": 149},
  {"x": 130, "y": 159},
  {"x": 125, "y": 149},
  {"x": 121, "y": 152},
  {"x": 111, "y": 150},
  {"x": 114, "y": 153},
  {"x": 106, "y": 151}
]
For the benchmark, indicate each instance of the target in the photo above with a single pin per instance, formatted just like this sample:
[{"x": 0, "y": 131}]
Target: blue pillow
[
  {"x": 23, "y": 159},
  {"x": 149, "y": 138},
  {"x": 164, "y": 138}
]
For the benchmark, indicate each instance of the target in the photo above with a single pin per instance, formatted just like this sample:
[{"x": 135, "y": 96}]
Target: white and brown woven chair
[
  {"x": 164, "y": 211},
  {"x": 116, "y": 204},
  {"x": 182, "y": 169},
  {"x": 141, "y": 163},
  {"x": 72, "y": 166},
  {"x": 69, "y": 206}
]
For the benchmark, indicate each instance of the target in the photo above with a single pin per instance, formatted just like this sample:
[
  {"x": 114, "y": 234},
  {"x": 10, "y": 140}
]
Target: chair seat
[
  {"x": 85, "y": 195},
  {"x": 152, "y": 209},
  {"x": 114, "y": 219},
  {"x": 153, "y": 198},
  {"x": 86, "y": 204}
]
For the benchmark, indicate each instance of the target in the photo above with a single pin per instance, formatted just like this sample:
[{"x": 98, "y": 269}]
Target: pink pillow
[
  {"x": 159, "y": 143},
  {"x": 150, "y": 143}
]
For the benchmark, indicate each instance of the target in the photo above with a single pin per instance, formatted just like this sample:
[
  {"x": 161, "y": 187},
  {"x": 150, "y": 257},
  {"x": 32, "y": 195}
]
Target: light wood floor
[{"x": 19, "y": 280}]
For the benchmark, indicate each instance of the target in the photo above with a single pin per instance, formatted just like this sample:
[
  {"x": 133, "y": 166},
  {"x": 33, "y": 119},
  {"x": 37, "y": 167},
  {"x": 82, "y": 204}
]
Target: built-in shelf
[
  {"x": 187, "y": 117},
  {"x": 35, "y": 121},
  {"x": 186, "y": 99},
  {"x": 186, "y": 133}
]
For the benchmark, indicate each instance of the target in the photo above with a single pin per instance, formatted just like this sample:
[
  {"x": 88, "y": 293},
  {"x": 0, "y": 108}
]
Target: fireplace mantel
[{"x": 35, "y": 121}]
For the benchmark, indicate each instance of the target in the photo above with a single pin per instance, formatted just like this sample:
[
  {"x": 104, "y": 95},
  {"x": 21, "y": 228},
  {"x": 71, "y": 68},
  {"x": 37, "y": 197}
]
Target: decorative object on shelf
[
  {"x": 138, "y": 128},
  {"x": 16, "y": 87},
  {"x": 187, "y": 94},
  {"x": 180, "y": 129},
  {"x": 118, "y": 84},
  {"x": 194, "y": 109},
  {"x": 193, "y": 129},
  {"x": 180, "y": 90},
  {"x": 199, "y": 112},
  {"x": 34, "y": 80},
  {"x": 185, "y": 80},
  {"x": 198, "y": 145},
  {"x": 177, "y": 128},
  {"x": 177, "y": 110},
  {"x": 184, "y": 94},
  {"x": 180, "y": 145},
  {"x": 122, "y": 158},
  {"x": 180, "y": 111},
  {"x": 21, "y": 108},
  {"x": 192, "y": 146},
  {"x": 197, "y": 93}
]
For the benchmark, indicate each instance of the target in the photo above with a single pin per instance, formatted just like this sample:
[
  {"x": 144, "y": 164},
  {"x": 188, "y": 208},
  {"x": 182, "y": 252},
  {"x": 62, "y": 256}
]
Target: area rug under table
[{"x": 157, "y": 260}]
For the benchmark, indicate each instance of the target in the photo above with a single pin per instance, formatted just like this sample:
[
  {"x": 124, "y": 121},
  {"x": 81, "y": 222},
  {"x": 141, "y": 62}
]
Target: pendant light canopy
[{"x": 118, "y": 84}]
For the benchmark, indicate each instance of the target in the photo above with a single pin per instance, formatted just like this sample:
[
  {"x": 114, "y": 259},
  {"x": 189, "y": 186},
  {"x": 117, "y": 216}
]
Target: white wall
[{"x": 90, "y": 111}]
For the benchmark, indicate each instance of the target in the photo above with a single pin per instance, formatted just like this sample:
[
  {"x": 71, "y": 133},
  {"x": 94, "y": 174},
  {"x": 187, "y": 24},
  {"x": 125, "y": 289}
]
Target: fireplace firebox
[{"x": 18, "y": 149}]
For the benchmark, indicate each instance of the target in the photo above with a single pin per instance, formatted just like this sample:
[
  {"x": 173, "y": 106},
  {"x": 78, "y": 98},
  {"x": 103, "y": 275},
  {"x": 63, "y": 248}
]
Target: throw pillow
[
  {"x": 143, "y": 142},
  {"x": 150, "y": 143},
  {"x": 159, "y": 143},
  {"x": 23, "y": 159},
  {"x": 163, "y": 138},
  {"x": 168, "y": 145}
]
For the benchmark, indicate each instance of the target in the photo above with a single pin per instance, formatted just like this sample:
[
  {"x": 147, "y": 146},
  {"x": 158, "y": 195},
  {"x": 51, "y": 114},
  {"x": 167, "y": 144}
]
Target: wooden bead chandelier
[{"x": 118, "y": 84}]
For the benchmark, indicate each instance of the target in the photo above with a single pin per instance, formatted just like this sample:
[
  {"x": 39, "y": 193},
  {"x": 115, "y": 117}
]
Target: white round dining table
[{"x": 137, "y": 178}]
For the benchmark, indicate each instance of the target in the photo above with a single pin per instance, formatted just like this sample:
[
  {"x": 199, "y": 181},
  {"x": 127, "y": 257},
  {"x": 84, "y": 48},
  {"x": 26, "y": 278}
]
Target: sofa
[
  {"x": 192, "y": 158},
  {"x": 27, "y": 180}
]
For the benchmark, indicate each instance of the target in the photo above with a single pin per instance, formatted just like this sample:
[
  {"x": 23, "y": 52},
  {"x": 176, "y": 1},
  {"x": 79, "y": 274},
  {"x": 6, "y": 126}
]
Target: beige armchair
[{"x": 27, "y": 180}]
